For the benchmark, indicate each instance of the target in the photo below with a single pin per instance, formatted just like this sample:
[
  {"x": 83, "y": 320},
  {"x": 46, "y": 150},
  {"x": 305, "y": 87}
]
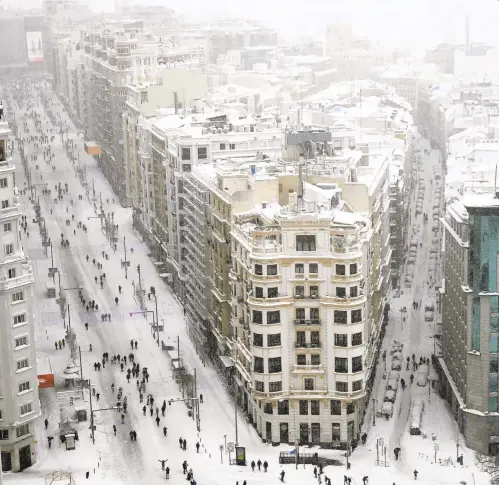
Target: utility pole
[
  {"x": 198, "y": 422},
  {"x": 157, "y": 319},
  {"x": 235, "y": 415},
  {"x": 91, "y": 412},
  {"x": 126, "y": 265},
  {"x": 81, "y": 371}
]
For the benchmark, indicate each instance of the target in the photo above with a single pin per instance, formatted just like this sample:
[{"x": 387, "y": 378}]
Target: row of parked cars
[{"x": 392, "y": 379}]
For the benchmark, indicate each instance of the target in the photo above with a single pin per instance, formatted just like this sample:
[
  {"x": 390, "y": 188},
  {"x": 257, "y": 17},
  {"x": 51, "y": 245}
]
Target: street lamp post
[{"x": 154, "y": 319}]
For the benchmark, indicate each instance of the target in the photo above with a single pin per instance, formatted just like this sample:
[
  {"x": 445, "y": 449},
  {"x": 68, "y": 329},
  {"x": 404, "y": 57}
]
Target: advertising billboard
[{"x": 34, "y": 46}]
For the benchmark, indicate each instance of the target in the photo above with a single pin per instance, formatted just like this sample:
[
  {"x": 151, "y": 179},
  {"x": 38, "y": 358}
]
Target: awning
[{"x": 226, "y": 361}]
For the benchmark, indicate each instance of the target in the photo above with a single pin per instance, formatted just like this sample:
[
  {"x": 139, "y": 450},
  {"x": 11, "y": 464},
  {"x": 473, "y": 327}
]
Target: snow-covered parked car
[
  {"x": 396, "y": 364},
  {"x": 416, "y": 417},
  {"x": 429, "y": 313},
  {"x": 392, "y": 384},
  {"x": 387, "y": 409},
  {"x": 390, "y": 396}
]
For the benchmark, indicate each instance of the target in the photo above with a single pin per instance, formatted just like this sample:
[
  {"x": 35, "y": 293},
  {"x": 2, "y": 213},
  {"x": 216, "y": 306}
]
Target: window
[
  {"x": 258, "y": 364},
  {"x": 336, "y": 432},
  {"x": 9, "y": 249},
  {"x": 303, "y": 408},
  {"x": 341, "y": 386},
  {"x": 305, "y": 243},
  {"x": 21, "y": 318},
  {"x": 18, "y": 296},
  {"x": 3, "y": 183},
  {"x": 232, "y": 146},
  {"x": 299, "y": 268},
  {"x": 11, "y": 273},
  {"x": 314, "y": 314},
  {"x": 258, "y": 292},
  {"x": 259, "y": 386},
  {"x": 275, "y": 365},
  {"x": 259, "y": 269},
  {"x": 300, "y": 313},
  {"x": 350, "y": 408},
  {"x": 186, "y": 167},
  {"x": 315, "y": 359},
  {"x": 356, "y": 339},
  {"x": 24, "y": 386},
  {"x": 354, "y": 268},
  {"x": 222, "y": 146},
  {"x": 5, "y": 204},
  {"x": 274, "y": 317},
  {"x": 21, "y": 341},
  {"x": 341, "y": 292},
  {"x": 335, "y": 407},
  {"x": 314, "y": 292},
  {"x": 493, "y": 365},
  {"x": 22, "y": 430},
  {"x": 258, "y": 339},
  {"x": 315, "y": 339},
  {"x": 272, "y": 292},
  {"x": 299, "y": 291},
  {"x": 202, "y": 153},
  {"x": 356, "y": 316},
  {"x": 267, "y": 408},
  {"x": 272, "y": 269},
  {"x": 257, "y": 316},
  {"x": 4, "y": 434},
  {"x": 315, "y": 407},
  {"x": 354, "y": 292},
  {"x": 357, "y": 385},
  {"x": 341, "y": 365},
  {"x": 313, "y": 268},
  {"x": 301, "y": 359},
  {"x": 283, "y": 407},
  {"x": 340, "y": 340},
  {"x": 300, "y": 339},
  {"x": 273, "y": 340},
  {"x": 26, "y": 408},
  {"x": 357, "y": 364},
  {"x": 308, "y": 384},
  {"x": 186, "y": 153},
  {"x": 7, "y": 227},
  {"x": 340, "y": 269},
  {"x": 340, "y": 316},
  {"x": 275, "y": 386},
  {"x": 22, "y": 364}
]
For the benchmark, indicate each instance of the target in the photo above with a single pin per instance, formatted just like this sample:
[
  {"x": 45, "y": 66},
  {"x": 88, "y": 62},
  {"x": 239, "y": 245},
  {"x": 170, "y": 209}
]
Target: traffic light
[{"x": 138, "y": 268}]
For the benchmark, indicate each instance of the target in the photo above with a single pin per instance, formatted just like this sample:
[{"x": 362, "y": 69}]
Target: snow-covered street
[{"x": 116, "y": 460}]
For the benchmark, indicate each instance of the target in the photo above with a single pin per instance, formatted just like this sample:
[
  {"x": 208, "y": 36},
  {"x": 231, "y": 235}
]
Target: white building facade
[
  {"x": 19, "y": 403},
  {"x": 301, "y": 323}
]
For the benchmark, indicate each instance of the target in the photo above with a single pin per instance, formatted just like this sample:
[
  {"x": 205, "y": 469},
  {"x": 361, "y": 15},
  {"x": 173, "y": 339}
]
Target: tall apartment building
[
  {"x": 19, "y": 403},
  {"x": 301, "y": 326},
  {"x": 470, "y": 319}
]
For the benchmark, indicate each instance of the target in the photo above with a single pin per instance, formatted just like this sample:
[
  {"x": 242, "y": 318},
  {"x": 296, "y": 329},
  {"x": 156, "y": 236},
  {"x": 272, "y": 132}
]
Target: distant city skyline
[{"x": 419, "y": 24}]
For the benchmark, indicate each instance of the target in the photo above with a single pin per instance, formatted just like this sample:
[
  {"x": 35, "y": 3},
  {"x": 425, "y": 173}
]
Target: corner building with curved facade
[{"x": 300, "y": 319}]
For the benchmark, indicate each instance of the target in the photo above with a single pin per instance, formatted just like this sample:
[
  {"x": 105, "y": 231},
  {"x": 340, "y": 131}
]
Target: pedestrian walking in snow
[
  {"x": 157, "y": 421},
  {"x": 265, "y": 466},
  {"x": 282, "y": 475},
  {"x": 365, "y": 480},
  {"x": 201, "y": 398},
  {"x": 163, "y": 462},
  {"x": 180, "y": 442},
  {"x": 167, "y": 473},
  {"x": 415, "y": 474},
  {"x": 114, "y": 429},
  {"x": 197, "y": 447},
  {"x": 165, "y": 431},
  {"x": 184, "y": 467},
  {"x": 184, "y": 444},
  {"x": 46, "y": 423},
  {"x": 315, "y": 471},
  {"x": 144, "y": 409}
]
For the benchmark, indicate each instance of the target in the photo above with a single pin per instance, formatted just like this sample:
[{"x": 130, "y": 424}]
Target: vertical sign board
[{"x": 240, "y": 455}]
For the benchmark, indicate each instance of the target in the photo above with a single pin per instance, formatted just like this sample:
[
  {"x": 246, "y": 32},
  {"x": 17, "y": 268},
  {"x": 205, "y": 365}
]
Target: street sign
[
  {"x": 381, "y": 442},
  {"x": 436, "y": 447},
  {"x": 231, "y": 447}
]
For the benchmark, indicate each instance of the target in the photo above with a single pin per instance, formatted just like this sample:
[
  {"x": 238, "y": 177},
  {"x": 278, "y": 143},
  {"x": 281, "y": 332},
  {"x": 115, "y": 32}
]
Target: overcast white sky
[{"x": 419, "y": 23}]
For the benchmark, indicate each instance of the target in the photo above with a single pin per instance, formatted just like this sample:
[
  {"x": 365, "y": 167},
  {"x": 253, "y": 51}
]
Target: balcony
[
  {"x": 308, "y": 369},
  {"x": 349, "y": 277},
  {"x": 314, "y": 296},
  {"x": 267, "y": 299},
  {"x": 265, "y": 277},
  {"x": 308, "y": 345},
  {"x": 345, "y": 300},
  {"x": 307, "y": 323}
]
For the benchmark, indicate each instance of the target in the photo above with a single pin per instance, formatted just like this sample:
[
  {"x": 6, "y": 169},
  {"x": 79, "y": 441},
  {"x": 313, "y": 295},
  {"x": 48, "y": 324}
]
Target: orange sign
[{"x": 46, "y": 380}]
